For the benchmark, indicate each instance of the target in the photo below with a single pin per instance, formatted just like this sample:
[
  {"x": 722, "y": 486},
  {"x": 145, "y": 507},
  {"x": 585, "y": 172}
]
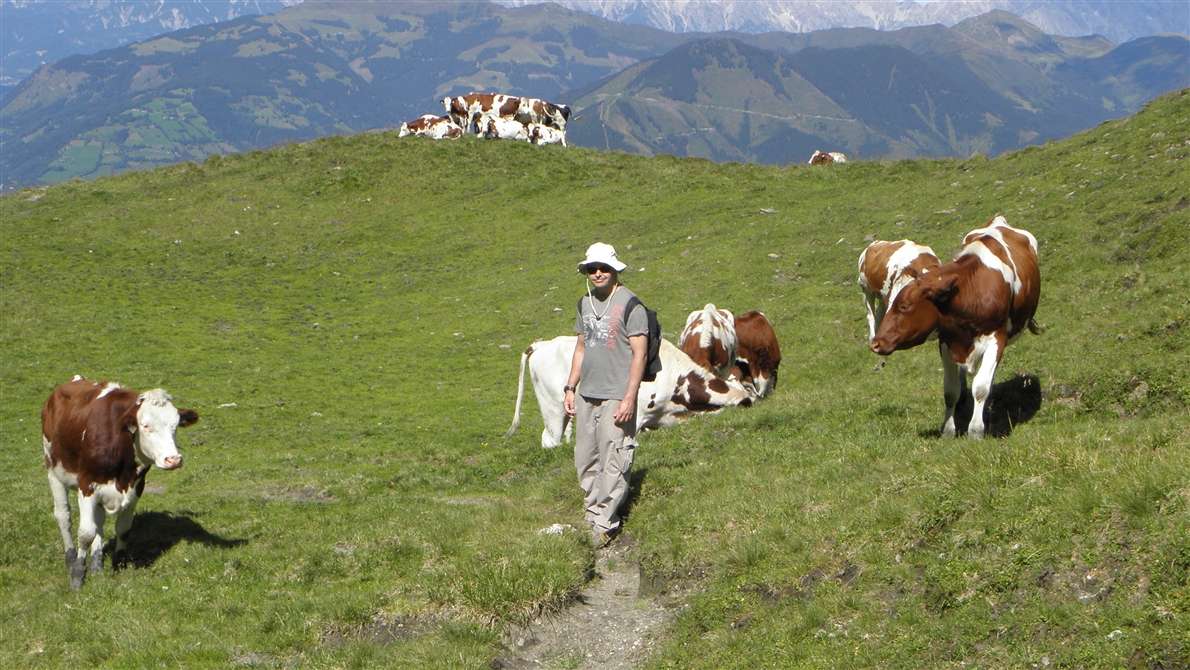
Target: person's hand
[
  {"x": 568, "y": 403},
  {"x": 625, "y": 411}
]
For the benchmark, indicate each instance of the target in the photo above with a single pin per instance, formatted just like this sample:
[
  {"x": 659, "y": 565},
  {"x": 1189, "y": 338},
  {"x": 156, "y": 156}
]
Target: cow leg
[
  {"x": 62, "y": 516},
  {"x": 981, "y": 387},
  {"x": 87, "y": 533},
  {"x": 95, "y": 565},
  {"x": 952, "y": 388},
  {"x": 123, "y": 526}
]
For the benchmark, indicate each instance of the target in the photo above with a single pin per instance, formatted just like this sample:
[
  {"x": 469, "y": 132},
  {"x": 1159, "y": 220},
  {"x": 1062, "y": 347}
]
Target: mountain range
[
  {"x": 987, "y": 84},
  {"x": 1118, "y": 21},
  {"x": 36, "y": 32}
]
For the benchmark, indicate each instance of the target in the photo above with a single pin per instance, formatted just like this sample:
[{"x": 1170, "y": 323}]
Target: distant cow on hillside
[
  {"x": 499, "y": 128},
  {"x": 824, "y": 158},
  {"x": 539, "y": 133},
  {"x": 533, "y": 110},
  {"x": 978, "y": 303},
  {"x": 433, "y": 127},
  {"x": 466, "y": 110}
]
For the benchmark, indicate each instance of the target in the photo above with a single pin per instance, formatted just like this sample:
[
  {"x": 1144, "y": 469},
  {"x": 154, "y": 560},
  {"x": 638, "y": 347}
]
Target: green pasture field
[{"x": 346, "y": 316}]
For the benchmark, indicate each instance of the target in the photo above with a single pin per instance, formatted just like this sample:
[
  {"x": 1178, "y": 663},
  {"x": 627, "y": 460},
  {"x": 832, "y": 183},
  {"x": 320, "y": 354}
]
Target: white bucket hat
[{"x": 602, "y": 253}]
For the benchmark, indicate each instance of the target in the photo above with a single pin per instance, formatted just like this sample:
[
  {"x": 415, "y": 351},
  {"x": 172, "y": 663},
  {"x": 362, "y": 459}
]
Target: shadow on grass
[
  {"x": 154, "y": 533},
  {"x": 636, "y": 479},
  {"x": 1011, "y": 403}
]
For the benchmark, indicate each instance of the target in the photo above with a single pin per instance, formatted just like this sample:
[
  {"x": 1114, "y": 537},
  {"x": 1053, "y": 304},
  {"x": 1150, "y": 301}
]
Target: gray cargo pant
[{"x": 603, "y": 454}]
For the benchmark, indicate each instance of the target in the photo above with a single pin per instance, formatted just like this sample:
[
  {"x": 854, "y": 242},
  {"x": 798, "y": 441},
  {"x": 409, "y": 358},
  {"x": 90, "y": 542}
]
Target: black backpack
[{"x": 653, "y": 336}]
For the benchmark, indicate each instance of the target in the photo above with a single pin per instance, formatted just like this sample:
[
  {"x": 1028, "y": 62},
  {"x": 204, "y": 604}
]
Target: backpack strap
[{"x": 632, "y": 303}]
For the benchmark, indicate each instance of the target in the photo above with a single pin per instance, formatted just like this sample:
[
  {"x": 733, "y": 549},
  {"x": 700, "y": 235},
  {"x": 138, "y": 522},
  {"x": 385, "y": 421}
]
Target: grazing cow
[
  {"x": 709, "y": 339},
  {"x": 466, "y": 110},
  {"x": 101, "y": 439},
  {"x": 682, "y": 388},
  {"x": 433, "y": 127},
  {"x": 495, "y": 127},
  {"x": 885, "y": 268},
  {"x": 824, "y": 158},
  {"x": 758, "y": 355},
  {"x": 539, "y": 133},
  {"x": 534, "y": 110},
  {"x": 979, "y": 302}
]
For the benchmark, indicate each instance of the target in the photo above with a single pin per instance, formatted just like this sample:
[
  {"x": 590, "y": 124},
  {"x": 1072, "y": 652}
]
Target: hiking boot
[{"x": 600, "y": 538}]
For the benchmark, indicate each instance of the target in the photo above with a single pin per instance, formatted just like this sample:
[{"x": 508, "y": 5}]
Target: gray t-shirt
[{"x": 607, "y": 356}]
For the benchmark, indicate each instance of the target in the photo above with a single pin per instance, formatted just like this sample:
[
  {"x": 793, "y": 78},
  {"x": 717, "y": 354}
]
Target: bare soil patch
[{"x": 611, "y": 625}]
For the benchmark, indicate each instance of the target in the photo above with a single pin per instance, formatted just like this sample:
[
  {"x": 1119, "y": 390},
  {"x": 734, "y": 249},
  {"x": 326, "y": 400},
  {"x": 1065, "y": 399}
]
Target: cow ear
[
  {"x": 129, "y": 419},
  {"x": 942, "y": 290},
  {"x": 187, "y": 417}
]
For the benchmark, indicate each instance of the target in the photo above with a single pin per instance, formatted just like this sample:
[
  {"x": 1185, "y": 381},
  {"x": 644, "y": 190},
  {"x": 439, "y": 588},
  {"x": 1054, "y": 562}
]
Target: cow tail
[
  {"x": 1034, "y": 327},
  {"x": 520, "y": 393}
]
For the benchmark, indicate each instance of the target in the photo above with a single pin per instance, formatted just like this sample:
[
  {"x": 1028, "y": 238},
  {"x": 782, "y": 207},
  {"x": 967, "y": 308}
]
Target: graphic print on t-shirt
[{"x": 603, "y": 331}]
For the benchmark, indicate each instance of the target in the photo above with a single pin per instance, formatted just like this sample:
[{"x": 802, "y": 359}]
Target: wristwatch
[{"x": 568, "y": 388}]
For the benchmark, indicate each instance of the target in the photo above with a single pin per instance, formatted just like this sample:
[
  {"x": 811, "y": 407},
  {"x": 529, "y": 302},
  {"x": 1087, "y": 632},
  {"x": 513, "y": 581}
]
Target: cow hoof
[
  {"x": 77, "y": 572},
  {"x": 71, "y": 557}
]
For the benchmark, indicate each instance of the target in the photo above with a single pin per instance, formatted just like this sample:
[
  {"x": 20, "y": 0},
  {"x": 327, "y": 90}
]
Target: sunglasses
[{"x": 599, "y": 267}]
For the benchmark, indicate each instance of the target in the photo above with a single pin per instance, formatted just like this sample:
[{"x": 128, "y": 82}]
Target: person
[{"x": 600, "y": 393}]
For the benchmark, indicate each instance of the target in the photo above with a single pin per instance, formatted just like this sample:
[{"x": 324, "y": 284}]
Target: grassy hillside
[{"x": 346, "y": 316}]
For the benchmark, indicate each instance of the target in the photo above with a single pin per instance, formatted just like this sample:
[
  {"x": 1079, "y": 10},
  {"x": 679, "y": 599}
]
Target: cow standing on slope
[
  {"x": 101, "y": 439},
  {"x": 887, "y": 267},
  {"x": 709, "y": 339},
  {"x": 682, "y": 389},
  {"x": 978, "y": 302}
]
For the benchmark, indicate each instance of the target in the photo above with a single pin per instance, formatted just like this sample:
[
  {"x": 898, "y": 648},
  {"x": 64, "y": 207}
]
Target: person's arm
[
  {"x": 627, "y": 408},
  {"x": 576, "y": 371}
]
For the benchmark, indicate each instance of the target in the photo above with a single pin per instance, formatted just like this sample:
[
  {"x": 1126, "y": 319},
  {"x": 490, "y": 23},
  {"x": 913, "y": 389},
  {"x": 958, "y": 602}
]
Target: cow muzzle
[
  {"x": 882, "y": 347},
  {"x": 171, "y": 462}
]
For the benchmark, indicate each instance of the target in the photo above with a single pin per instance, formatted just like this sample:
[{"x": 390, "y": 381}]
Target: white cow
[
  {"x": 681, "y": 389},
  {"x": 539, "y": 133},
  {"x": 497, "y": 127}
]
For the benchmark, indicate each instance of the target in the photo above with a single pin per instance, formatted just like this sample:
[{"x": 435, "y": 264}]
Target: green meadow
[{"x": 346, "y": 316}]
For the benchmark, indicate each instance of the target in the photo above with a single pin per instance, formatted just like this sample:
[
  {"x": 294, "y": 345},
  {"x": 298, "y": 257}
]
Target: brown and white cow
[
  {"x": 887, "y": 267},
  {"x": 465, "y": 110},
  {"x": 709, "y": 339},
  {"x": 826, "y": 158},
  {"x": 758, "y": 354},
  {"x": 499, "y": 128},
  {"x": 101, "y": 439},
  {"x": 535, "y": 110},
  {"x": 681, "y": 389},
  {"x": 431, "y": 126},
  {"x": 539, "y": 134},
  {"x": 978, "y": 302}
]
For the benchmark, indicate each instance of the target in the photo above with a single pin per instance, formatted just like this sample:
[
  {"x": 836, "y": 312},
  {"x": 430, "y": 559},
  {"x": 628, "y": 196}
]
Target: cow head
[
  {"x": 915, "y": 313},
  {"x": 153, "y": 420}
]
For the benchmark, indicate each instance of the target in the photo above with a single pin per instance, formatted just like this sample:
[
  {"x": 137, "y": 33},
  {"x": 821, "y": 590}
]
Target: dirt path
[{"x": 611, "y": 626}]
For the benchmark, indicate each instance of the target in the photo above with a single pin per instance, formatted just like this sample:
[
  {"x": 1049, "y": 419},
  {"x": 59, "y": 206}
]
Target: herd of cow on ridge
[
  {"x": 101, "y": 439},
  {"x": 510, "y": 117},
  {"x": 494, "y": 116}
]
